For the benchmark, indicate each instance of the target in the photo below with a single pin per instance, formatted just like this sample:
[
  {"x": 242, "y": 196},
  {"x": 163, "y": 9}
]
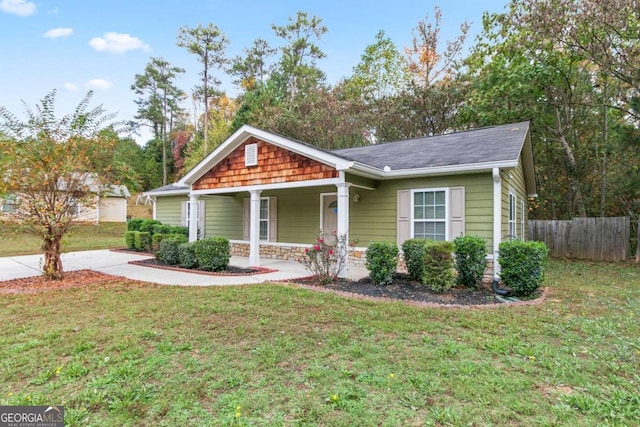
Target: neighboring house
[
  {"x": 270, "y": 194},
  {"x": 110, "y": 206}
]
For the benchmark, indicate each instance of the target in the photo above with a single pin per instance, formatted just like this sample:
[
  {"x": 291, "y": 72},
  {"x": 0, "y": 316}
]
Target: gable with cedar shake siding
[{"x": 270, "y": 194}]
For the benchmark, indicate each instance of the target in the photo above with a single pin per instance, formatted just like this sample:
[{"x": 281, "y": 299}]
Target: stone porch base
[{"x": 294, "y": 252}]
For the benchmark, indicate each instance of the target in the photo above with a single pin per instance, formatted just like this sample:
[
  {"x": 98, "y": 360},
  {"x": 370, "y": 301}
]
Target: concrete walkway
[{"x": 117, "y": 264}]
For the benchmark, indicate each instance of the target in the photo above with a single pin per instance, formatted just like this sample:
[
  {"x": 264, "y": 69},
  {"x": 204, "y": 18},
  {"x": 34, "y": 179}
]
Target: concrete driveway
[{"x": 117, "y": 264}]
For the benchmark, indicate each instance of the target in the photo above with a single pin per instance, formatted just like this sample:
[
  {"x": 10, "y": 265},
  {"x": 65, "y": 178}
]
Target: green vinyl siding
[
  {"x": 223, "y": 217},
  {"x": 169, "y": 208},
  {"x": 298, "y": 213},
  {"x": 514, "y": 182},
  {"x": 374, "y": 217}
]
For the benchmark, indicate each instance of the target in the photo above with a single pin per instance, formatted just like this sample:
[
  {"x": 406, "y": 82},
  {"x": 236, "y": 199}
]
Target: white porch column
[
  {"x": 254, "y": 229},
  {"x": 193, "y": 217},
  {"x": 343, "y": 222},
  {"x": 497, "y": 219}
]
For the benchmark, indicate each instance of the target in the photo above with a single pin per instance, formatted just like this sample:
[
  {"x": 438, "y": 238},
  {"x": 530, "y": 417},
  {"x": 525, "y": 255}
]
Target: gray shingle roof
[{"x": 484, "y": 145}]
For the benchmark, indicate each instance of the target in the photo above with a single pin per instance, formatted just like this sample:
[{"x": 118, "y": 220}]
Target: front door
[{"x": 329, "y": 213}]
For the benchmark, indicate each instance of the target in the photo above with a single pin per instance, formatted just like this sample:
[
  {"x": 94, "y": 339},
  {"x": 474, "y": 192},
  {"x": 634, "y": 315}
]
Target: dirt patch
[{"x": 229, "y": 271}]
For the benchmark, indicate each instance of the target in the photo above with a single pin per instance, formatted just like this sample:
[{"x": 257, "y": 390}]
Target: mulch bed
[
  {"x": 415, "y": 293},
  {"x": 229, "y": 271},
  {"x": 71, "y": 279},
  {"x": 402, "y": 289}
]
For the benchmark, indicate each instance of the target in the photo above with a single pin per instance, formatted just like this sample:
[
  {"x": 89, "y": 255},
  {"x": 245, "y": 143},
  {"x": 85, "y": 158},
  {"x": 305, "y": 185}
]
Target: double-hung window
[
  {"x": 264, "y": 219},
  {"x": 513, "y": 230},
  {"x": 430, "y": 214}
]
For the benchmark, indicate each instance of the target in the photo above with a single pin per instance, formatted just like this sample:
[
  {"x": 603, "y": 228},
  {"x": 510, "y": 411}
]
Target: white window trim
[
  {"x": 512, "y": 223},
  {"x": 446, "y": 209}
]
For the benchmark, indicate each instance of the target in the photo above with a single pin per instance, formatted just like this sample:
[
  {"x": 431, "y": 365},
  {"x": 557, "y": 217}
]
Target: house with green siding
[{"x": 270, "y": 195}]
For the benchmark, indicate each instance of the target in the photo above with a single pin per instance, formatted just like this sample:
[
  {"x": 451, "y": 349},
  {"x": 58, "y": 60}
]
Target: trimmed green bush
[
  {"x": 155, "y": 241},
  {"x": 161, "y": 229},
  {"x": 168, "y": 252},
  {"x": 147, "y": 225},
  {"x": 522, "y": 265},
  {"x": 471, "y": 260},
  {"x": 413, "y": 251},
  {"x": 438, "y": 266},
  {"x": 134, "y": 224},
  {"x": 178, "y": 229},
  {"x": 142, "y": 241},
  {"x": 130, "y": 239},
  {"x": 187, "y": 255},
  {"x": 382, "y": 261},
  {"x": 212, "y": 253}
]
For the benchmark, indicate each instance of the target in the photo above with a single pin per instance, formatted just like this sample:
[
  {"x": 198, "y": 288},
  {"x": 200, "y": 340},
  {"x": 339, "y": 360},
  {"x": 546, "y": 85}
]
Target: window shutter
[
  {"x": 404, "y": 216},
  {"x": 456, "y": 212},
  {"x": 246, "y": 213},
  {"x": 183, "y": 214},
  {"x": 273, "y": 219},
  {"x": 201, "y": 215}
]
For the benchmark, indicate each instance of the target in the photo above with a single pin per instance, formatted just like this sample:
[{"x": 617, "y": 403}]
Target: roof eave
[
  {"x": 177, "y": 192},
  {"x": 372, "y": 172}
]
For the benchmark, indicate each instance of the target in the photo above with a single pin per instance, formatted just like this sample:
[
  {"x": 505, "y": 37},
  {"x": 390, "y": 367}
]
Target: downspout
[{"x": 497, "y": 219}]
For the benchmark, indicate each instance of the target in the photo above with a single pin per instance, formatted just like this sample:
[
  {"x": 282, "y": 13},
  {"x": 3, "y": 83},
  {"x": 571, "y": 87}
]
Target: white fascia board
[
  {"x": 177, "y": 192},
  {"x": 244, "y": 133},
  {"x": 275, "y": 186},
  {"x": 450, "y": 170}
]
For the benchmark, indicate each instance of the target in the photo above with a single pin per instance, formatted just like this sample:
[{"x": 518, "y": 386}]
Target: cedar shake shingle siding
[{"x": 275, "y": 165}]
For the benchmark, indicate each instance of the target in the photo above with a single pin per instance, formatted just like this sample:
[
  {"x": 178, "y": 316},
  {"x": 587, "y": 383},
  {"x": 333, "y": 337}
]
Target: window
[
  {"x": 264, "y": 219},
  {"x": 522, "y": 208},
  {"x": 430, "y": 214},
  {"x": 513, "y": 231}
]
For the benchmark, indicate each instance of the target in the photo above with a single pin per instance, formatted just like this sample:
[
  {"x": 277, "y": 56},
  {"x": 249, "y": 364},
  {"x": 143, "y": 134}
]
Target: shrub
[
  {"x": 413, "y": 250},
  {"x": 134, "y": 224},
  {"x": 187, "y": 255},
  {"x": 326, "y": 257},
  {"x": 168, "y": 252},
  {"x": 382, "y": 261},
  {"x": 471, "y": 260},
  {"x": 142, "y": 241},
  {"x": 212, "y": 253},
  {"x": 160, "y": 229},
  {"x": 522, "y": 265},
  {"x": 147, "y": 225},
  {"x": 438, "y": 265},
  {"x": 130, "y": 239},
  {"x": 178, "y": 229},
  {"x": 155, "y": 241}
]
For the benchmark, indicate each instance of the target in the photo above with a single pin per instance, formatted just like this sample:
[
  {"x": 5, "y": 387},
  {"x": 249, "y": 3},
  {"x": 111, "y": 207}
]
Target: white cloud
[
  {"x": 58, "y": 32},
  {"x": 18, "y": 7},
  {"x": 99, "y": 84},
  {"x": 70, "y": 87},
  {"x": 117, "y": 43}
]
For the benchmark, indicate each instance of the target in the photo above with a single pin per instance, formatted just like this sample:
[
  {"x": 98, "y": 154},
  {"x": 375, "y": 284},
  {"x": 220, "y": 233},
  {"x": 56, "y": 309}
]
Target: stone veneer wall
[{"x": 357, "y": 256}]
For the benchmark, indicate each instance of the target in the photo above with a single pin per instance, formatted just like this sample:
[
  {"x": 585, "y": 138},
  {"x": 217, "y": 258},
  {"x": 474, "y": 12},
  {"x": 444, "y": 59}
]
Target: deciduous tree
[{"x": 54, "y": 165}]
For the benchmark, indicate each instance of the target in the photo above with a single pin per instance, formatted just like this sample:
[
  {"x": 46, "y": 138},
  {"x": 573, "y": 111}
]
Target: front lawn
[
  {"x": 18, "y": 241},
  {"x": 271, "y": 355}
]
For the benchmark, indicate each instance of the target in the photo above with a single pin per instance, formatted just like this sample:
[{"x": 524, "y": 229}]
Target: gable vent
[{"x": 251, "y": 155}]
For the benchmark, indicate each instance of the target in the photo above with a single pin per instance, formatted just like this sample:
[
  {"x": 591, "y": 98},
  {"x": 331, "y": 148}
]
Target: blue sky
[{"x": 77, "y": 45}]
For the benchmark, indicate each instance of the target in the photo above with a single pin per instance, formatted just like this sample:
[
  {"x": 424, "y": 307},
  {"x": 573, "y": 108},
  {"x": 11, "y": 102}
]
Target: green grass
[
  {"x": 19, "y": 241},
  {"x": 270, "y": 355}
]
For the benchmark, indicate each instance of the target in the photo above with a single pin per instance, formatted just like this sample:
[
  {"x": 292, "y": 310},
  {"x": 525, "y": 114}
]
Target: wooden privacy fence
[{"x": 595, "y": 239}]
